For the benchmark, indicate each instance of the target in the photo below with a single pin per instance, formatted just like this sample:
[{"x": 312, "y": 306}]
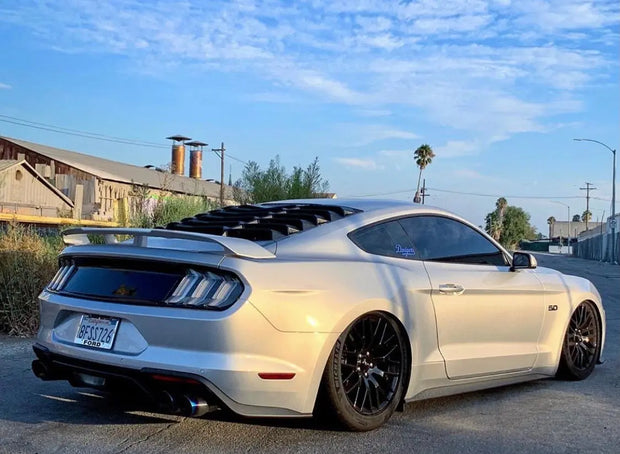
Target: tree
[
  {"x": 586, "y": 216},
  {"x": 495, "y": 219},
  {"x": 423, "y": 157},
  {"x": 274, "y": 183},
  {"x": 500, "y": 206},
  {"x": 516, "y": 227},
  {"x": 513, "y": 227},
  {"x": 550, "y": 221},
  {"x": 576, "y": 218},
  {"x": 493, "y": 226}
]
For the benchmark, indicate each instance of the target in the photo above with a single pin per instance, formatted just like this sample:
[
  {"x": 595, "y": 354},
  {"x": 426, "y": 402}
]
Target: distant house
[
  {"x": 94, "y": 186},
  {"x": 24, "y": 191}
]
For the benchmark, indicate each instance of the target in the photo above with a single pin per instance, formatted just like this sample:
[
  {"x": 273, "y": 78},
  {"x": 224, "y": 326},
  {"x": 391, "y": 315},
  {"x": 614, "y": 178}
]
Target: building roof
[
  {"x": 8, "y": 164},
  {"x": 124, "y": 173}
]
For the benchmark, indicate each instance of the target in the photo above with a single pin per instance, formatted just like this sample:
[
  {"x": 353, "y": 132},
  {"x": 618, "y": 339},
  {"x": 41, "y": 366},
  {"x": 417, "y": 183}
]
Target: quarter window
[
  {"x": 447, "y": 240},
  {"x": 387, "y": 238}
]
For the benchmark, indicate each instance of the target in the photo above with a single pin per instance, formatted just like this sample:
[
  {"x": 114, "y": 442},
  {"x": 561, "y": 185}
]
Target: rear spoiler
[{"x": 236, "y": 246}]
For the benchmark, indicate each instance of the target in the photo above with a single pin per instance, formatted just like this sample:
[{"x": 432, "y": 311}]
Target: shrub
[
  {"x": 27, "y": 263},
  {"x": 171, "y": 209}
]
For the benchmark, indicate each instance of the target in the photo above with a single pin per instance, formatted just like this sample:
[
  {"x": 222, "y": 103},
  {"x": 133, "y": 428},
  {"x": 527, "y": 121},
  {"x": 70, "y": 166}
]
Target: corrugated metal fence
[{"x": 598, "y": 248}]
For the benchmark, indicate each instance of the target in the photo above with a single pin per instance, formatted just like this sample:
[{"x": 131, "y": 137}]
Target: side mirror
[{"x": 523, "y": 261}]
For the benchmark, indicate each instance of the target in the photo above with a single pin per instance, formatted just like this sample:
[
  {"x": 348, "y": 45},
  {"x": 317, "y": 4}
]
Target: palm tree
[
  {"x": 550, "y": 221},
  {"x": 586, "y": 217},
  {"x": 495, "y": 227},
  {"x": 500, "y": 206},
  {"x": 423, "y": 156}
]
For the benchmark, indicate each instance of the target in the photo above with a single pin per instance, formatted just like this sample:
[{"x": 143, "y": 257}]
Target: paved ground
[{"x": 542, "y": 416}]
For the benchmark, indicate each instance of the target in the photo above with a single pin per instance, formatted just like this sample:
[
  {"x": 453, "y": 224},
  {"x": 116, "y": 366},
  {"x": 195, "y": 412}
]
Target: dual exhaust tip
[
  {"x": 187, "y": 404},
  {"x": 45, "y": 372}
]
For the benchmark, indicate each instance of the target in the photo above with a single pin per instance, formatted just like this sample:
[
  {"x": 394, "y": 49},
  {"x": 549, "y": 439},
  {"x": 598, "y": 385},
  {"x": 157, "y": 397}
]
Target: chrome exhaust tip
[{"x": 194, "y": 406}]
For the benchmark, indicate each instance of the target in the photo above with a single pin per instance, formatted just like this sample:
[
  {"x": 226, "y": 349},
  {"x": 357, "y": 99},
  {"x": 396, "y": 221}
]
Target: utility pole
[
  {"x": 588, "y": 188},
  {"x": 221, "y": 151},
  {"x": 424, "y": 193}
]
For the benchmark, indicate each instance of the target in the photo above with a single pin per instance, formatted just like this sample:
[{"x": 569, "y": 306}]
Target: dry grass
[
  {"x": 27, "y": 263},
  {"x": 169, "y": 210}
]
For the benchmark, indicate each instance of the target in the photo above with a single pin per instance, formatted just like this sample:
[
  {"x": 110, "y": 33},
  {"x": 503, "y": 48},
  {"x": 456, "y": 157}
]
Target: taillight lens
[
  {"x": 60, "y": 279},
  {"x": 206, "y": 290}
]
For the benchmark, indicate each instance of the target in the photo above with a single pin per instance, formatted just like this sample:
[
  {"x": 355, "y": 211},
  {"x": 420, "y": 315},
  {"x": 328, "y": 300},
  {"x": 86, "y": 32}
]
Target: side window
[
  {"x": 387, "y": 238},
  {"x": 446, "y": 240}
]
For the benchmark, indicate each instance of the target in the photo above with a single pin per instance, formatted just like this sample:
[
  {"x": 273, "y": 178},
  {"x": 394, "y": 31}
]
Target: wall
[
  {"x": 22, "y": 193},
  {"x": 597, "y": 244}
]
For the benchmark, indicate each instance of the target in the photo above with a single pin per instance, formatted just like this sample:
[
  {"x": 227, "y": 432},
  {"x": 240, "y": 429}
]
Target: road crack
[{"x": 148, "y": 437}]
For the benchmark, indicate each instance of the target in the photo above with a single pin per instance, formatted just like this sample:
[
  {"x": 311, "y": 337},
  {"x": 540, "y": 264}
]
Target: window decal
[{"x": 404, "y": 251}]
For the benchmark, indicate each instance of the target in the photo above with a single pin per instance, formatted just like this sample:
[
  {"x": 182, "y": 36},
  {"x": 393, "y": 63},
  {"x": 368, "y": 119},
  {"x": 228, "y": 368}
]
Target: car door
[{"x": 488, "y": 317}]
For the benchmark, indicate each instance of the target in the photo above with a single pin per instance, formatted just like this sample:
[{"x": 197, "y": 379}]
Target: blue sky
[{"x": 497, "y": 88}]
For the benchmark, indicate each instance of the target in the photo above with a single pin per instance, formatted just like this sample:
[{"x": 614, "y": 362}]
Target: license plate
[{"x": 97, "y": 332}]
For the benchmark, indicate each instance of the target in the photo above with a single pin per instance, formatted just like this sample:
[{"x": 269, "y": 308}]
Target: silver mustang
[{"x": 349, "y": 308}]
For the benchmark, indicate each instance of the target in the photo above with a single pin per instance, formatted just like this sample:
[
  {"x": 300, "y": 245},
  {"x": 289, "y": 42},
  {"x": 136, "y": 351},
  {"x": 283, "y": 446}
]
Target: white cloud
[
  {"x": 456, "y": 148},
  {"x": 354, "y": 134},
  {"x": 469, "y": 174},
  {"x": 357, "y": 163},
  {"x": 562, "y": 15},
  {"x": 272, "y": 97},
  {"x": 374, "y": 112},
  {"x": 374, "y": 24},
  {"x": 397, "y": 154},
  {"x": 5, "y": 86},
  {"x": 487, "y": 68}
]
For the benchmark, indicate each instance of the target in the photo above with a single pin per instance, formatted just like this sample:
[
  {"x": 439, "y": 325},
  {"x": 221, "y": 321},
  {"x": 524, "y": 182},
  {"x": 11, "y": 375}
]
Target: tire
[
  {"x": 581, "y": 347},
  {"x": 364, "y": 379}
]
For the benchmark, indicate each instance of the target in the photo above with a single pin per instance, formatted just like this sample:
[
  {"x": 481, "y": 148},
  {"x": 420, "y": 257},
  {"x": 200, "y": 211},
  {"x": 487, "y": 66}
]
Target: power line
[
  {"x": 228, "y": 155},
  {"x": 89, "y": 135},
  {"x": 541, "y": 197},
  {"x": 476, "y": 194},
  {"x": 81, "y": 132},
  {"x": 78, "y": 133}
]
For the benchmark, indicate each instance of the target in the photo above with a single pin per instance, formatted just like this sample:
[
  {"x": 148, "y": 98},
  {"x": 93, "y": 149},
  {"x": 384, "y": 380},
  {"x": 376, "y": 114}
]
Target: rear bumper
[
  {"x": 222, "y": 351},
  {"x": 162, "y": 387}
]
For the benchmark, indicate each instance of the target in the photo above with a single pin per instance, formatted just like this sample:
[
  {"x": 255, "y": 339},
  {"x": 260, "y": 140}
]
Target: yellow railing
[{"x": 29, "y": 219}]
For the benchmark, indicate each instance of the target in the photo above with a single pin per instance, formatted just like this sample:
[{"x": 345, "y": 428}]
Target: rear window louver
[{"x": 266, "y": 222}]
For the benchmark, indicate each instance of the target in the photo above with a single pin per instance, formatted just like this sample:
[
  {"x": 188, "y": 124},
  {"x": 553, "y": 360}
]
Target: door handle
[{"x": 451, "y": 289}]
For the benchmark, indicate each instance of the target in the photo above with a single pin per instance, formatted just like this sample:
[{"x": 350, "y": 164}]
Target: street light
[
  {"x": 568, "y": 239},
  {"x": 613, "y": 199}
]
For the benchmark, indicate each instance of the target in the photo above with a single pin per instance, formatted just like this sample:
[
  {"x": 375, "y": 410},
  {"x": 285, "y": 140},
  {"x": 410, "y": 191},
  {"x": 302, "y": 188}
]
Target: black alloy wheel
[
  {"x": 364, "y": 377},
  {"x": 582, "y": 343}
]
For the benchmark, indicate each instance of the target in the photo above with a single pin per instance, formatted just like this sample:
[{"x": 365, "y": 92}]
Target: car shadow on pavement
[{"x": 58, "y": 402}]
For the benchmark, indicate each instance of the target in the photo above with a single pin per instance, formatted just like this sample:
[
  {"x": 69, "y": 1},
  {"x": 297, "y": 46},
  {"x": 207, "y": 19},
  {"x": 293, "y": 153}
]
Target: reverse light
[{"x": 206, "y": 290}]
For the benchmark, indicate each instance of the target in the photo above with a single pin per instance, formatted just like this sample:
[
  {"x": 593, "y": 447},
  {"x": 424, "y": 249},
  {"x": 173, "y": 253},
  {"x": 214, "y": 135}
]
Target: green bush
[
  {"x": 171, "y": 209},
  {"x": 27, "y": 263}
]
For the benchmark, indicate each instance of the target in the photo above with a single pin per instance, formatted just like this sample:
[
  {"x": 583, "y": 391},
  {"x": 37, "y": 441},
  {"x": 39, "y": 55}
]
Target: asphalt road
[{"x": 541, "y": 416}]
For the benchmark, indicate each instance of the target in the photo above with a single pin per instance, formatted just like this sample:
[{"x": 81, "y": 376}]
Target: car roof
[
  {"x": 282, "y": 219},
  {"x": 366, "y": 205}
]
